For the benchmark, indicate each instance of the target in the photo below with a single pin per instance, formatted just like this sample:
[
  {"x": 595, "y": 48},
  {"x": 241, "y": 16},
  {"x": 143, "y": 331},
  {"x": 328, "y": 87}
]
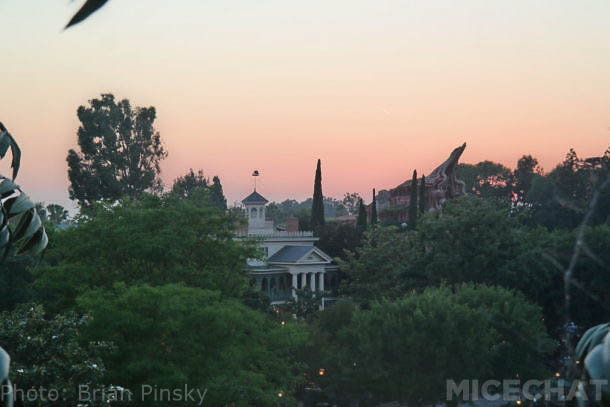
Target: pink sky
[{"x": 373, "y": 88}]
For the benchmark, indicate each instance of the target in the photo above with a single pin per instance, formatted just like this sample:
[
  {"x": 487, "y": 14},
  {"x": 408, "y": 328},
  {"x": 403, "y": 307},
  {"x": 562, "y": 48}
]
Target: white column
[
  {"x": 312, "y": 280},
  {"x": 303, "y": 280},
  {"x": 321, "y": 282},
  {"x": 294, "y": 286}
]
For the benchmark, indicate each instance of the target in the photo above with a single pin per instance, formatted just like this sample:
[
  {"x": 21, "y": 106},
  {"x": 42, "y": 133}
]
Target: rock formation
[{"x": 441, "y": 185}]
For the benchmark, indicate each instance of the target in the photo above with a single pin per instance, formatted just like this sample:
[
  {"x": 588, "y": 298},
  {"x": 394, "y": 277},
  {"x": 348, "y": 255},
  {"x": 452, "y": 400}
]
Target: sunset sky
[{"x": 374, "y": 88}]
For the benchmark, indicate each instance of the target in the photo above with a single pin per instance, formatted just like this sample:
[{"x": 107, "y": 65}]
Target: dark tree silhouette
[
  {"x": 527, "y": 169},
  {"x": 374, "y": 209},
  {"x": 186, "y": 184},
  {"x": 423, "y": 199},
  {"x": 120, "y": 153},
  {"x": 56, "y": 213},
  {"x": 317, "y": 207},
  {"x": 413, "y": 202},
  {"x": 217, "y": 197},
  {"x": 362, "y": 217}
]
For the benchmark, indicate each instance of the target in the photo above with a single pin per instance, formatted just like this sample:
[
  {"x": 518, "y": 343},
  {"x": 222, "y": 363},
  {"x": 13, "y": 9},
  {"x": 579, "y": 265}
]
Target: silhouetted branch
[{"x": 90, "y": 7}]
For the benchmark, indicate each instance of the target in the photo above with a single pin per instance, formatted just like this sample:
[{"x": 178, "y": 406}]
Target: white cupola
[{"x": 254, "y": 205}]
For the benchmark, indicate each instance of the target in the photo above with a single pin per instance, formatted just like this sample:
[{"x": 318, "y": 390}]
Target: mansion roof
[
  {"x": 293, "y": 254},
  {"x": 254, "y": 198}
]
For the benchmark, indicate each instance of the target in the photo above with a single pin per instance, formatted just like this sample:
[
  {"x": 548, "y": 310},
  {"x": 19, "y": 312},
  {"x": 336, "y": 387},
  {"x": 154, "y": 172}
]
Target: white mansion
[{"x": 291, "y": 261}]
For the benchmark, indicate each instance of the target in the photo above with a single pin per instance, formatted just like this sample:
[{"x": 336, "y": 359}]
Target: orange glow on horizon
[{"x": 373, "y": 89}]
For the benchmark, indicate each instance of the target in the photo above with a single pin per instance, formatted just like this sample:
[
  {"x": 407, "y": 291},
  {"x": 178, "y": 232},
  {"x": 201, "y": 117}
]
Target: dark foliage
[
  {"x": 413, "y": 203},
  {"x": 317, "y": 207},
  {"x": 120, "y": 152},
  {"x": 374, "y": 209}
]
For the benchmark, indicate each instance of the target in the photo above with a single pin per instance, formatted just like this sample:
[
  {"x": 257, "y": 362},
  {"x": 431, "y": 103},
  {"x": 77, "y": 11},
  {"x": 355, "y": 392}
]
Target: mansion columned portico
[{"x": 291, "y": 261}]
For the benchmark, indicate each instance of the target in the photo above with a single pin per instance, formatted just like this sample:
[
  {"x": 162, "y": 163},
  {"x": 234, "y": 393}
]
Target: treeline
[
  {"x": 475, "y": 290},
  {"x": 149, "y": 287},
  {"x": 555, "y": 199}
]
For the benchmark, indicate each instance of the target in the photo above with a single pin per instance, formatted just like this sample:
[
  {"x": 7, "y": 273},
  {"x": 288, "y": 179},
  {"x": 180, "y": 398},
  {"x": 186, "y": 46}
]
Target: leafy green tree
[
  {"x": 423, "y": 198},
  {"x": 217, "y": 197},
  {"x": 361, "y": 222},
  {"x": 337, "y": 238},
  {"x": 590, "y": 295},
  {"x": 317, "y": 207},
  {"x": 477, "y": 240},
  {"x": 527, "y": 169},
  {"x": 15, "y": 278},
  {"x": 523, "y": 341},
  {"x": 304, "y": 217},
  {"x": 172, "y": 335},
  {"x": 351, "y": 202},
  {"x": 374, "y": 269},
  {"x": 326, "y": 350},
  {"x": 156, "y": 240},
  {"x": 561, "y": 198},
  {"x": 305, "y": 306},
  {"x": 120, "y": 152},
  {"x": 290, "y": 208},
  {"x": 463, "y": 334},
  {"x": 413, "y": 203},
  {"x": 374, "y": 209},
  {"x": 198, "y": 188},
  {"x": 486, "y": 179},
  {"x": 185, "y": 185},
  {"x": 280, "y": 211},
  {"x": 49, "y": 356},
  {"x": 472, "y": 240},
  {"x": 57, "y": 213},
  {"x": 545, "y": 209}
]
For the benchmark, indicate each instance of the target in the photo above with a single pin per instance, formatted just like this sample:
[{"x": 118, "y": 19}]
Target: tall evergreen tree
[
  {"x": 423, "y": 198},
  {"x": 413, "y": 202},
  {"x": 317, "y": 207},
  {"x": 217, "y": 197},
  {"x": 374, "y": 209},
  {"x": 362, "y": 218}
]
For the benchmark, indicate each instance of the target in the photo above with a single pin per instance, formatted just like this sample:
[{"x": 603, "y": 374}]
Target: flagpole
[{"x": 254, "y": 175}]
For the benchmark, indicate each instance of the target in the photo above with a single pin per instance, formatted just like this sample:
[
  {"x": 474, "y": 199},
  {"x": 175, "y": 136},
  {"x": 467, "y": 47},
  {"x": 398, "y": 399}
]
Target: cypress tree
[
  {"x": 374, "y": 209},
  {"x": 317, "y": 207},
  {"x": 423, "y": 199},
  {"x": 413, "y": 202},
  {"x": 361, "y": 223}
]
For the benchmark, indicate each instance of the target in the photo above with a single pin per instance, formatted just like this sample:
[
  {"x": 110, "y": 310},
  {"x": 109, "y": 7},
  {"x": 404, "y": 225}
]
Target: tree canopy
[
  {"x": 48, "y": 356},
  {"x": 157, "y": 240},
  {"x": 486, "y": 179},
  {"x": 120, "y": 152},
  {"x": 471, "y": 331},
  {"x": 173, "y": 335}
]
